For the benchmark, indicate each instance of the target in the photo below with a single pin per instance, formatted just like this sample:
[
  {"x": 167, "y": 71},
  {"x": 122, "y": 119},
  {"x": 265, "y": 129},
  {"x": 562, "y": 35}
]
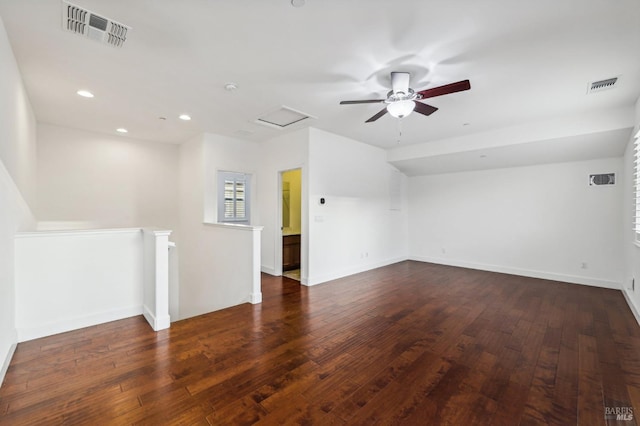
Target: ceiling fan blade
[
  {"x": 369, "y": 101},
  {"x": 424, "y": 109},
  {"x": 378, "y": 115},
  {"x": 400, "y": 82},
  {"x": 446, "y": 89}
]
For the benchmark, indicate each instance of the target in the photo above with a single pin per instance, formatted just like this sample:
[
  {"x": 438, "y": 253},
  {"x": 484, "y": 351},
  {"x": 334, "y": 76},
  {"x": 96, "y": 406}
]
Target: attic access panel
[{"x": 282, "y": 117}]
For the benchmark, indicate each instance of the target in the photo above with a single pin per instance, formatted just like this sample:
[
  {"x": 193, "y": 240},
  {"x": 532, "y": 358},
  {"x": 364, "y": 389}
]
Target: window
[
  {"x": 636, "y": 167},
  {"x": 233, "y": 197}
]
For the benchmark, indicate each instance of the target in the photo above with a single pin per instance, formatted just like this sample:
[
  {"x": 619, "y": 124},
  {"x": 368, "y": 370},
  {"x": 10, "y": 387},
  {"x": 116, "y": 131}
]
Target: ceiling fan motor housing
[{"x": 401, "y": 96}]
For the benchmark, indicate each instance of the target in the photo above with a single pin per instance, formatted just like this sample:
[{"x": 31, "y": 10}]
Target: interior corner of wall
[
  {"x": 4, "y": 367},
  {"x": 209, "y": 213},
  {"x": 268, "y": 269}
]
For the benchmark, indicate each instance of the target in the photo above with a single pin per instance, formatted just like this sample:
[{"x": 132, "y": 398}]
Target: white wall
[
  {"x": 221, "y": 153},
  {"x": 17, "y": 124},
  {"x": 355, "y": 230},
  {"x": 92, "y": 180},
  {"x": 216, "y": 262},
  {"x": 285, "y": 152},
  {"x": 17, "y": 185},
  {"x": 541, "y": 221},
  {"x": 14, "y": 216},
  {"x": 73, "y": 279}
]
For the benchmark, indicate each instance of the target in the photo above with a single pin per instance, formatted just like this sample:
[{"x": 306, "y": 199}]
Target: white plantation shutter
[
  {"x": 636, "y": 167},
  {"x": 241, "y": 204},
  {"x": 233, "y": 197},
  {"x": 229, "y": 199}
]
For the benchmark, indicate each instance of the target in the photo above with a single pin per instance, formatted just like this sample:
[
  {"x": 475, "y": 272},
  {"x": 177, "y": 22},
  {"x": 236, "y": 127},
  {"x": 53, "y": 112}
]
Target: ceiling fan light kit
[
  {"x": 400, "y": 109},
  {"x": 402, "y": 100}
]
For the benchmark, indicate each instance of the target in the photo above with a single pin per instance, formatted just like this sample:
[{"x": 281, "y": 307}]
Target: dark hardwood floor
[{"x": 412, "y": 343}]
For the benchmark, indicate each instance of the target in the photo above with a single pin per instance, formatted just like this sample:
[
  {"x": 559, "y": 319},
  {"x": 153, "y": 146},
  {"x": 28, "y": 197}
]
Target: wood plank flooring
[{"x": 412, "y": 343}]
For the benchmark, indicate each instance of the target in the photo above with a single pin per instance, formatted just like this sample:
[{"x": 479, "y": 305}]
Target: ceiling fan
[{"x": 402, "y": 100}]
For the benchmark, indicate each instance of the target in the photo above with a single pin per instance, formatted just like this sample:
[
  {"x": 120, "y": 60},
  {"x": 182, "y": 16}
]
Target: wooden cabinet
[{"x": 290, "y": 252}]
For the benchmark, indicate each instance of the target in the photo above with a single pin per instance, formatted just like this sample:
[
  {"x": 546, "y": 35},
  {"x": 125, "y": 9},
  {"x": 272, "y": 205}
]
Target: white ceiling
[{"x": 527, "y": 62}]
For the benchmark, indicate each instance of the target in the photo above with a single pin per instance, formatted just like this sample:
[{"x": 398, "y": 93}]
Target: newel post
[
  {"x": 156, "y": 278},
  {"x": 256, "y": 288}
]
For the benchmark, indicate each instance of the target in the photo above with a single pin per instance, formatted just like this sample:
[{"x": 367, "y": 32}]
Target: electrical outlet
[
  {"x": 584, "y": 265},
  {"x": 633, "y": 284}
]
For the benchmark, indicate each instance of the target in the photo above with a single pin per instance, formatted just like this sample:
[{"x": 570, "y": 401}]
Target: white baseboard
[
  {"x": 268, "y": 270},
  {"x": 7, "y": 361},
  {"x": 157, "y": 323},
  {"x": 35, "y": 332},
  {"x": 635, "y": 310},
  {"x": 573, "y": 279},
  {"x": 319, "y": 279}
]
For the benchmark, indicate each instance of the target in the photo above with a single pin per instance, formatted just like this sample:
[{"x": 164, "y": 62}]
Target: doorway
[{"x": 291, "y": 222}]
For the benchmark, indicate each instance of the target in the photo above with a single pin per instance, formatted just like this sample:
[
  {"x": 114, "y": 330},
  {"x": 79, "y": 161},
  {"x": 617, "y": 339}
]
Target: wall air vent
[
  {"x": 599, "y": 86},
  {"x": 84, "y": 22},
  {"x": 602, "y": 179}
]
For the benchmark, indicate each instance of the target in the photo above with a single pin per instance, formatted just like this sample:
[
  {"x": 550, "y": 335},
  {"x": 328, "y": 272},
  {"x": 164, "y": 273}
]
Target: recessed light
[
  {"x": 483, "y": 156},
  {"x": 185, "y": 117},
  {"x": 298, "y": 3},
  {"x": 122, "y": 130},
  {"x": 465, "y": 124},
  {"x": 85, "y": 93},
  {"x": 230, "y": 87}
]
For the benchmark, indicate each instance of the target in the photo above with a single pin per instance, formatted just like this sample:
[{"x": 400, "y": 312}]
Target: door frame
[{"x": 303, "y": 225}]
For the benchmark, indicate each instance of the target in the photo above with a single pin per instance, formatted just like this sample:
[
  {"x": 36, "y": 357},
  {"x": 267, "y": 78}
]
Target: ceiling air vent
[
  {"x": 599, "y": 86},
  {"x": 84, "y": 22},
  {"x": 602, "y": 179},
  {"x": 282, "y": 117}
]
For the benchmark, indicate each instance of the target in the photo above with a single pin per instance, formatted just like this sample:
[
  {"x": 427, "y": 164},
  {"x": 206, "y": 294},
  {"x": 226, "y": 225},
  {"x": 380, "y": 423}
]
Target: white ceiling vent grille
[
  {"x": 599, "y": 86},
  {"x": 84, "y": 22},
  {"x": 282, "y": 117}
]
